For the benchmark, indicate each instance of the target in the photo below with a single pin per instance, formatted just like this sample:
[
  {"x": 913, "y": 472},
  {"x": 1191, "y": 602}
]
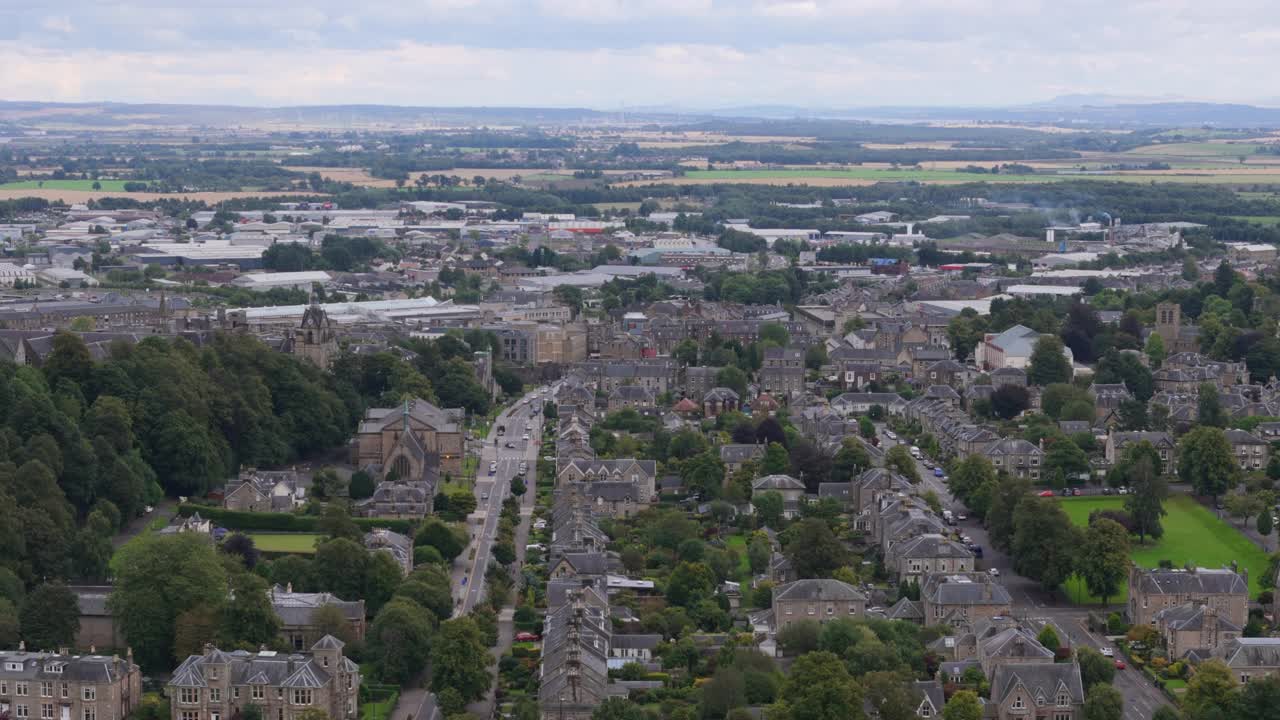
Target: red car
[
  {"x": 526, "y": 637},
  {"x": 1046, "y": 493},
  {"x": 1119, "y": 664}
]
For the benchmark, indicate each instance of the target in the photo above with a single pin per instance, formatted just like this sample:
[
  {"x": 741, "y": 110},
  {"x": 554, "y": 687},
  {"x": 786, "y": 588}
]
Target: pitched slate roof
[
  {"x": 818, "y": 589},
  {"x": 1203, "y": 581},
  {"x": 1252, "y": 652},
  {"x": 1190, "y": 616},
  {"x": 776, "y": 482},
  {"x": 1041, "y": 679}
]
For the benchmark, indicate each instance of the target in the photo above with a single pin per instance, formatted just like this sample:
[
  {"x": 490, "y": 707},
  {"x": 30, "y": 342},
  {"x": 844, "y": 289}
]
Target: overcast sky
[{"x": 609, "y": 54}]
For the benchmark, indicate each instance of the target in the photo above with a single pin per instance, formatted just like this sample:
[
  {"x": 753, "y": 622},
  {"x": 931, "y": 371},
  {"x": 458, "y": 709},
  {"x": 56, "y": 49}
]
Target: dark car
[{"x": 976, "y": 550}]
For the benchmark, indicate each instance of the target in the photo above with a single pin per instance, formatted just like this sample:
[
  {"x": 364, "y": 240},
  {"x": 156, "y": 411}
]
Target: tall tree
[
  {"x": 248, "y": 617},
  {"x": 1048, "y": 363},
  {"x": 1010, "y": 490},
  {"x": 1104, "y": 558},
  {"x": 819, "y": 688},
  {"x": 1206, "y": 461},
  {"x": 1209, "y": 406},
  {"x": 1211, "y": 692},
  {"x": 399, "y": 640},
  {"x": 1155, "y": 350},
  {"x": 775, "y": 461},
  {"x": 50, "y": 617},
  {"x": 1147, "y": 492},
  {"x": 899, "y": 460},
  {"x": 459, "y": 659},
  {"x": 1044, "y": 541},
  {"x": 157, "y": 577},
  {"x": 963, "y": 705},
  {"x": 1103, "y": 702},
  {"x": 813, "y": 549},
  {"x": 1094, "y": 666}
]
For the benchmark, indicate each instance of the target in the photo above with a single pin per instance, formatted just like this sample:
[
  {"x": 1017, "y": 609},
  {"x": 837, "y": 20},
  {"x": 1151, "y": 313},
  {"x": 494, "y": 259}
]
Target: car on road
[
  {"x": 994, "y": 572},
  {"x": 484, "y": 496},
  {"x": 1120, "y": 664},
  {"x": 1046, "y": 493},
  {"x": 510, "y": 445},
  {"x": 527, "y": 637},
  {"x": 493, "y": 468},
  {"x": 1123, "y": 491},
  {"x": 961, "y": 517},
  {"x": 937, "y": 472},
  {"x": 890, "y": 434},
  {"x": 1107, "y": 652},
  {"x": 526, "y": 437}
]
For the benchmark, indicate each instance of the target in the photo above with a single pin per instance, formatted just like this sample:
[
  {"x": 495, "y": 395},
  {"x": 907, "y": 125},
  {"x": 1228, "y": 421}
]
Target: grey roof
[
  {"x": 721, "y": 394},
  {"x": 930, "y": 691},
  {"x": 736, "y": 453},
  {"x": 593, "y": 563},
  {"x": 53, "y": 666},
  {"x": 1014, "y": 446},
  {"x": 263, "y": 668},
  {"x": 905, "y": 609},
  {"x": 297, "y": 608},
  {"x": 931, "y": 545},
  {"x": 1240, "y": 437},
  {"x": 1190, "y": 616},
  {"x": 776, "y": 482},
  {"x": 1014, "y": 643},
  {"x": 1201, "y": 581},
  {"x": 964, "y": 589},
  {"x": 1041, "y": 679},
  {"x": 636, "y": 642},
  {"x": 1252, "y": 652},
  {"x": 818, "y": 589}
]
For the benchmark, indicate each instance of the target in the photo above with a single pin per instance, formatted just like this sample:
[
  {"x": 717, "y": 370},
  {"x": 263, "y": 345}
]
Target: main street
[
  {"x": 492, "y": 489},
  {"x": 1033, "y": 602}
]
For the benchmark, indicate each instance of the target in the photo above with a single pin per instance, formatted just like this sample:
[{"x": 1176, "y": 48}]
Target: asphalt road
[
  {"x": 491, "y": 490},
  {"x": 1031, "y": 601}
]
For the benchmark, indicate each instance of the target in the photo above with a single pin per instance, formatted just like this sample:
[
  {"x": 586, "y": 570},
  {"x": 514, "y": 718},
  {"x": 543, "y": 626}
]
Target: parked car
[
  {"x": 1106, "y": 491},
  {"x": 961, "y": 517},
  {"x": 1123, "y": 491},
  {"x": 527, "y": 637},
  {"x": 1107, "y": 652},
  {"x": 1120, "y": 664},
  {"x": 937, "y": 472},
  {"x": 976, "y": 550},
  {"x": 994, "y": 572},
  {"x": 1046, "y": 493}
]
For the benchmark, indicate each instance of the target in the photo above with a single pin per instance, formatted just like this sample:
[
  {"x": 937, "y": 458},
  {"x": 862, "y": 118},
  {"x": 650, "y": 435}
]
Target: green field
[
  {"x": 107, "y": 185},
  {"x": 1259, "y": 219},
  {"x": 1198, "y": 149},
  {"x": 300, "y": 543},
  {"x": 739, "y": 543},
  {"x": 1192, "y": 534}
]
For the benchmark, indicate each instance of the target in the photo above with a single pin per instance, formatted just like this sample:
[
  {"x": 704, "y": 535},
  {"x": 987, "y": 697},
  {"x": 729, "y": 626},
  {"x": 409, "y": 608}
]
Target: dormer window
[{"x": 1063, "y": 699}]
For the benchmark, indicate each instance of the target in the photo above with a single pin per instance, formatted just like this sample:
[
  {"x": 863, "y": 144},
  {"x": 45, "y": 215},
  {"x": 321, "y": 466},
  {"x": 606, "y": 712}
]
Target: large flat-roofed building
[{"x": 262, "y": 282}]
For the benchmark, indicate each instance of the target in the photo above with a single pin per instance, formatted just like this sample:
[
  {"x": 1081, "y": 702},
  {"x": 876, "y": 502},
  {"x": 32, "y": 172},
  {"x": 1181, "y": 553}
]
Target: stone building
[
  {"x": 62, "y": 686},
  {"x": 315, "y": 338},
  {"x": 410, "y": 448},
  {"x": 217, "y": 685},
  {"x": 1151, "y": 591},
  {"x": 818, "y": 600},
  {"x": 297, "y": 610}
]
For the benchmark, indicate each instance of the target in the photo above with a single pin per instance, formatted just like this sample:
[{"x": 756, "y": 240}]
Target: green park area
[
  {"x": 106, "y": 185},
  {"x": 1192, "y": 534},
  {"x": 301, "y": 543}
]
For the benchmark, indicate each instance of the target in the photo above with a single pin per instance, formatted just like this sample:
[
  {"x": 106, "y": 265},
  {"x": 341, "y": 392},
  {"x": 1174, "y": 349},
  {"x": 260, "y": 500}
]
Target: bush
[
  {"x": 283, "y": 522},
  {"x": 1116, "y": 624}
]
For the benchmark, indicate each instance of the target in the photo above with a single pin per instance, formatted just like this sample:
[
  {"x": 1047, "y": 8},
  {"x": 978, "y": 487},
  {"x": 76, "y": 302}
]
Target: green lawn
[
  {"x": 739, "y": 543},
  {"x": 1259, "y": 219},
  {"x": 380, "y": 710},
  {"x": 111, "y": 185},
  {"x": 1192, "y": 534},
  {"x": 301, "y": 543}
]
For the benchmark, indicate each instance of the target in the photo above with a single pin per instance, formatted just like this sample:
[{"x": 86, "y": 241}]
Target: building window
[
  {"x": 1018, "y": 704},
  {"x": 1064, "y": 700},
  {"x": 20, "y": 689},
  {"x": 46, "y": 688},
  {"x": 188, "y": 696},
  {"x": 21, "y": 711},
  {"x": 88, "y": 712},
  {"x": 215, "y": 694},
  {"x": 189, "y": 715},
  {"x": 66, "y": 690},
  {"x": 46, "y": 711},
  {"x": 302, "y": 696},
  {"x": 235, "y": 693},
  {"x": 258, "y": 692},
  {"x": 89, "y": 693},
  {"x": 926, "y": 711}
]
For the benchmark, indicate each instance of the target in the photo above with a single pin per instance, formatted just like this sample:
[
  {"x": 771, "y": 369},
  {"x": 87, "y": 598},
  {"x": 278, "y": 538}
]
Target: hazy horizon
[{"x": 610, "y": 54}]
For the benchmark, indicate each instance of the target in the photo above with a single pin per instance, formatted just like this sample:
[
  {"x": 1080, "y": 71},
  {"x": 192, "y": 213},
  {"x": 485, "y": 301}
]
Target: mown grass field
[
  {"x": 106, "y": 185},
  {"x": 1192, "y": 534},
  {"x": 299, "y": 543}
]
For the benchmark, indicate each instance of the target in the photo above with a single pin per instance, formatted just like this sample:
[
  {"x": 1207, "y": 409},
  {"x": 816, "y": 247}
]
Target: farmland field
[
  {"x": 106, "y": 185},
  {"x": 832, "y": 177},
  {"x": 1192, "y": 534},
  {"x": 301, "y": 543}
]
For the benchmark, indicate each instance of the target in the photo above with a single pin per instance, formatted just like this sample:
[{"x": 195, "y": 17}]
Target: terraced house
[
  {"x": 217, "y": 685},
  {"x": 61, "y": 686}
]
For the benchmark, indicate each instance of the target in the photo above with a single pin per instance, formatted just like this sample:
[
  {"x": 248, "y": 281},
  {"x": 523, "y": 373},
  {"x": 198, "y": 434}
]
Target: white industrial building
[{"x": 262, "y": 282}]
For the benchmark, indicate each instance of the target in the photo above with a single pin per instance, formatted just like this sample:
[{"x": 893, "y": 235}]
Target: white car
[
  {"x": 526, "y": 436},
  {"x": 1107, "y": 652},
  {"x": 994, "y": 572}
]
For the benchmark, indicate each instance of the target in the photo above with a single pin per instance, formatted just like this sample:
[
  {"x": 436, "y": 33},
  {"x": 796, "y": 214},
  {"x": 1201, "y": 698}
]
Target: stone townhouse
[
  {"x": 1017, "y": 457},
  {"x": 1004, "y": 645},
  {"x": 1008, "y": 376},
  {"x": 1251, "y": 451},
  {"x": 791, "y": 490},
  {"x": 921, "y": 358},
  {"x": 958, "y": 599},
  {"x": 914, "y": 558},
  {"x": 1036, "y": 691},
  {"x": 264, "y": 491},
  {"x": 820, "y": 600},
  {"x": 1107, "y": 399},
  {"x": 297, "y": 611},
  {"x": 62, "y": 686},
  {"x": 1193, "y": 627},
  {"x": 576, "y": 639},
  {"x": 945, "y": 372},
  {"x": 1151, "y": 591},
  {"x": 217, "y": 685},
  {"x": 631, "y": 396},
  {"x": 1250, "y": 658},
  {"x": 1163, "y": 443},
  {"x": 698, "y": 381},
  {"x": 784, "y": 382},
  {"x": 852, "y": 404},
  {"x": 734, "y": 456},
  {"x": 720, "y": 400}
]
